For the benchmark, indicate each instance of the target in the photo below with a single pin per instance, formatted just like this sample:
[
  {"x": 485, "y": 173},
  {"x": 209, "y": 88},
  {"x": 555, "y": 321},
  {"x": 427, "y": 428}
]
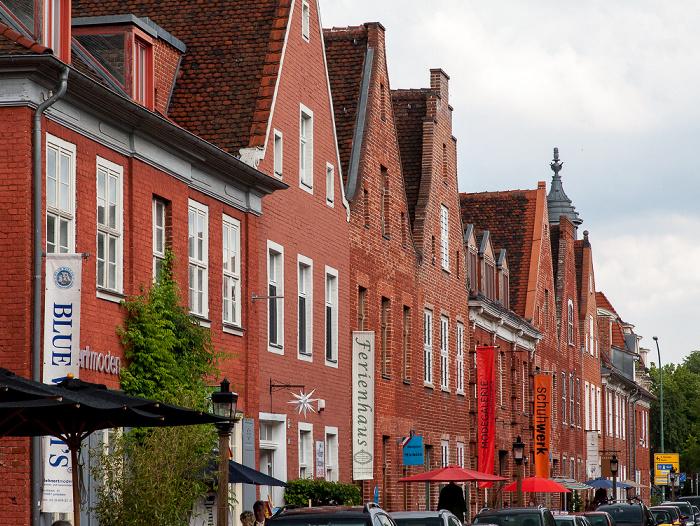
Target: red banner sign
[
  {"x": 543, "y": 420},
  {"x": 486, "y": 420}
]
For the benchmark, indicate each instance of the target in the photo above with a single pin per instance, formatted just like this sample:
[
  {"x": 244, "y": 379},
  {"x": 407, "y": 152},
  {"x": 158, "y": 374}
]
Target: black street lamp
[
  {"x": 224, "y": 404},
  {"x": 518, "y": 456},
  {"x": 673, "y": 476},
  {"x": 661, "y": 412},
  {"x": 613, "y": 470}
]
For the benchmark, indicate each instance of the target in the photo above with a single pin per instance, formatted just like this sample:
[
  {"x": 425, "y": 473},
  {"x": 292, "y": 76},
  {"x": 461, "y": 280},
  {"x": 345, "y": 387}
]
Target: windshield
[
  {"x": 564, "y": 520},
  {"x": 623, "y": 513},
  {"x": 318, "y": 521},
  {"x": 423, "y": 521},
  {"x": 502, "y": 519},
  {"x": 598, "y": 520}
]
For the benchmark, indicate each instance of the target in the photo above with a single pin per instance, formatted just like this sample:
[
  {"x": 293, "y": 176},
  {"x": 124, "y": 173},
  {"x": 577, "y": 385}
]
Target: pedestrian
[
  {"x": 247, "y": 518},
  {"x": 61, "y": 523},
  {"x": 259, "y": 513},
  {"x": 452, "y": 499}
]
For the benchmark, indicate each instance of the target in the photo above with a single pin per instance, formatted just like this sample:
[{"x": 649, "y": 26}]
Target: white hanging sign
[{"x": 363, "y": 405}]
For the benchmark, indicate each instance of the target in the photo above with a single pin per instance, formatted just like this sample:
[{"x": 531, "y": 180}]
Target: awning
[
  {"x": 635, "y": 484},
  {"x": 572, "y": 484}
]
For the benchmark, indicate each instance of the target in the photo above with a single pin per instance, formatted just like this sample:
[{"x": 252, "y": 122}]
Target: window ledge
[
  {"x": 332, "y": 363},
  {"x": 110, "y": 295},
  {"x": 204, "y": 322},
  {"x": 230, "y": 328},
  {"x": 446, "y": 270},
  {"x": 305, "y": 356},
  {"x": 407, "y": 382},
  {"x": 460, "y": 392},
  {"x": 445, "y": 389},
  {"x": 386, "y": 376},
  {"x": 275, "y": 348},
  {"x": 428, "y": 385},
  {"x": 387, "y": 237}
]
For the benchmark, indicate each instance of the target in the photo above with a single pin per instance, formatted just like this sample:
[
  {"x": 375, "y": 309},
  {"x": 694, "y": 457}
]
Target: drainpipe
[{"x": 37, "y": 475}]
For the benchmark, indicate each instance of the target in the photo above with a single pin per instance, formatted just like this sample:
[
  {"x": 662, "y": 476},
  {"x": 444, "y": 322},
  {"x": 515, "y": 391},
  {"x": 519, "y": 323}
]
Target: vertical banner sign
[
  {"x": 363, "y": 405},
  {"x": 320, "y": 460},
  {"x": 61, "y": 358},
  {"x": 486, "y": 427},
  {"x": 543, "y": 420},
  {"x": 592, "y": 454}
]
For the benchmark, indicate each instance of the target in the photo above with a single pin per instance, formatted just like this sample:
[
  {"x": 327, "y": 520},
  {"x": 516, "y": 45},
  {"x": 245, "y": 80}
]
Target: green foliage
[
  {"x": 576, "y": 503},
  {"x": 321, "y": 493},
  {"x": 167, "y": 349},
  {"x": 154, "y": 476}
]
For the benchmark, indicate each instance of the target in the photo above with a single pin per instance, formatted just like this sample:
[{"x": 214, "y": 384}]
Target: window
[
  {"x": 159, "y": 208},
  {"x": 572, "y": 415},
  {"x": 278, "y": 153},
  {"x": 505, "y": 293},
  {"x": 331, "y": 315},
  {"x": 445, "y": 453},
  {"x": 563, "y": 398},
  {"x": 525, "y": 382},
  {"x": 332, "y": 454},
  {"x": 501, "y": 374},
  {"x": 305, "y": 310},
  {"x": 60, "y": 195},
  {"x": 385, "y": 338},
  {"x": 306, "y": 150},
  {"x": 330, "y": 176},
  {"x": 109, "y": 225},
  {"x": 275, "y": 303},
  {"x": 199, "y": 258},
  {"x": 361, "y": 308},
  {"x": 444, "y": 237},
  {"x": 306, "y": 450},
  {"x": 365, "y": 194},
  {"x": 587, "y": 407},
  {"x": 305, "y": 15},
  {"x": 428, "y": 347},
  {"x": 143, "y": 72},
  {"x": 232, "y": 270},
  {"x": 384, "y": 204},
  {"x": 599, "y": 409},
  {"x": 473, "y": 272},
  {"x": 57, "y": 28},
  {"x": 459, "y": 368},
  {"x": 571, "y": 322},
  {"x": 406, "y": 339},
  {"x": 609, "y": 412},
  {"x": 460, "y": 454},
  {"x": 578, "y": 402},
  {"x": 273, "y": 451},
  {"x": 489, "y": 280},
  {"x": 444, "y": 357},
  {"x": 591, "y": 334}
]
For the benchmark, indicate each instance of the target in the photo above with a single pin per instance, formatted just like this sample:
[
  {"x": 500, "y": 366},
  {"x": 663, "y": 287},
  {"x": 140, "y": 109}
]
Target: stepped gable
[
  {"x": 227, "y": 79},
  {"x": 409, "y": 112},
  {"x": 346, "y": 49},
  {"x": 15, "y": 43},
  {"x": 510, "y": 219}
]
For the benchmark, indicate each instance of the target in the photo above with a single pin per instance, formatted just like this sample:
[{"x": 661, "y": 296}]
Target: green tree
[{"x": 154, "y": 476}]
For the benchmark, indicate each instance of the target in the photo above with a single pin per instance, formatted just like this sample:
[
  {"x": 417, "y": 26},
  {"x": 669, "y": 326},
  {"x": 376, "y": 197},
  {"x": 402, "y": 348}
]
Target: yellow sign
[{"x": 663, "y": 462}]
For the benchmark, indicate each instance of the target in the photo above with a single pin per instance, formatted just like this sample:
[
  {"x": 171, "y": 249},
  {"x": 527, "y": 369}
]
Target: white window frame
[
  {"x": 331, "y": 301},
  {"x": 459, "y": 362},
  {"x": 198, "y": 259},
  {"x": 570, "y": 312},
  {"x": 159, "y": 237},
  {"x": 331, "y": 450},
  {"x": 330, "y": 186},
  {"x": 231, "y": 250},
  {"x": 460, "y": 454},
  {"x": 307, "y": 459},
  {"x": 445, "y": 453},
  {"x": 305, "y": 20},
  {"x": 60, "y": 213},
  {"x": 52, "y": 36},
  {"x": 305, "y": 271},
  {"x": 276, "y": 448},
  {"x": 563, "y": 398},
  {"x": 587, "y": 406},
  {"x": 591, "y": 335},
  {"x": 306, "y": 149},
  {"x": 278, "y": 153},
  {"x": 111, "y": 229},
  {"x": 444, "y": 353},
  {"x": 428, "y": 347},
  {"x": 599, "y": 412},
  {"x": 445, "y": 236},
  {"x": 275, "y": 277}
]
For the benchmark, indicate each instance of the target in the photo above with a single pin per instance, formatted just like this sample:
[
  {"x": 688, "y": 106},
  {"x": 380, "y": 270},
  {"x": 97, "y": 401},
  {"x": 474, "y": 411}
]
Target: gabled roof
[
  {"x": 510, "y": 219},
  {"x": 14, "y": 43},
  {"x": 227, "y": 81},
  {"x": 602, "y": 302},
  {"x": 346, "y": 52}
]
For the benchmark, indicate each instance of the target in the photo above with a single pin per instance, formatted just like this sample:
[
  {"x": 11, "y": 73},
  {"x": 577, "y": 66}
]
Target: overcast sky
[{"x": 615, "y": 86}]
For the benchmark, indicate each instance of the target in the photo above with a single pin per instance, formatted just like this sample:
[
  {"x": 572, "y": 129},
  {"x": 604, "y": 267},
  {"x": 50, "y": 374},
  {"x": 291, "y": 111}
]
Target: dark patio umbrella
[
  {"x": 86, "y": 407},
  {"x": 601, "y": 482},
  {"x": 14, "y": 388},
  {"x": 240, "y": 474}
]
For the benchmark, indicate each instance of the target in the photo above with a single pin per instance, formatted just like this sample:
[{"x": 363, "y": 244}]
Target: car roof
[
  {"x": 418, "y": 514},
  {"x": 343, "y": 511}
]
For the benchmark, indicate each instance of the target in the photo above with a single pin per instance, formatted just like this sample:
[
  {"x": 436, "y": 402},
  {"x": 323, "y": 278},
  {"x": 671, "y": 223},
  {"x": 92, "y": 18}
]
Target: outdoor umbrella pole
[{"x": 74, "y": 476}]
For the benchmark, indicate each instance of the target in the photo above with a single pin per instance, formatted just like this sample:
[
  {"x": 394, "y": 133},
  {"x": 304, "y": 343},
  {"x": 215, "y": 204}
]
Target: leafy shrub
[{"x": 321, "y": 493}]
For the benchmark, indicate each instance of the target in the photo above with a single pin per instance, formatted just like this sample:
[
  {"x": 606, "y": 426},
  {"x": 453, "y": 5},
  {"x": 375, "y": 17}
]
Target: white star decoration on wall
[{"x": 303, "y": 402}]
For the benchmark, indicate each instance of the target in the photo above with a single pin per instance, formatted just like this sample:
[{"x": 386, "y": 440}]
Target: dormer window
[
  {"x": 489, "y": 280},
  {"x": 124, "y": 50},
  {"x": 56, "y": 28}
]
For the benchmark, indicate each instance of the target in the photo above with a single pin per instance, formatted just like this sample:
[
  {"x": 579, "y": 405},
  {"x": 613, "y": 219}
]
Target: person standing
[
  {"x": 452, "y": 499},
  {"x": 259, "y": 512}
]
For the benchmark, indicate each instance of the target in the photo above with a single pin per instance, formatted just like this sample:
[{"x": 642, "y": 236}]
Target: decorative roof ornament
[{"x": 558, "y": 204}]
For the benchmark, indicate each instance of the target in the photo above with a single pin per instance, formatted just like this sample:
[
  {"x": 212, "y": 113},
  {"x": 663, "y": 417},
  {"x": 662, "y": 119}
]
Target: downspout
[{"x": 37, "y": 475}]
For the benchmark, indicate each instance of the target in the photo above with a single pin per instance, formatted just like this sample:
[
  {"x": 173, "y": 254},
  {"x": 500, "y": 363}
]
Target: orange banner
[
  {"x": 486, "y": 421},
  {"x": 543, "y": 420}
]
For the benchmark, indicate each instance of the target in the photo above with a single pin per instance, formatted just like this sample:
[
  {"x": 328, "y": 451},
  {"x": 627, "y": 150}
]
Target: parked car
[
  {"x": 675, "y": 514},
  {"x": 571, "y": 520},
  {"x": 530, "y": 516},
  {"x": 367, "y": 515},
  {"x": 599, "y": 518},
  {"x": 686, "y": 510},
  {"x": 694, "y": 500},
  {"x": 696, "y": 510},
  {"x": 629, "y": 513},
  {"x": 425, "y": 518},
  {"x": 662, "y": 516}
]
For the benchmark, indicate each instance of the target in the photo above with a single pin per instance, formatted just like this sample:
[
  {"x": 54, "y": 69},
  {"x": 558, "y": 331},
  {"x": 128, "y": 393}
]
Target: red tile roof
[
  {"x": 510, "y": 219},
  {"x": 410, "y": 109},
  {"x": 602, "y": 301},
  {"x": 227, "y": 79},
  {"x": 14, "y": 43},
  {"x": 346, "y": 49}
]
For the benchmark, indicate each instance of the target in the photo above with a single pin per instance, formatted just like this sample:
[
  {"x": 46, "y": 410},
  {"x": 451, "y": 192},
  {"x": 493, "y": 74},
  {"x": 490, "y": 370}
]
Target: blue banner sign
[{"x": 412, "y": 451}]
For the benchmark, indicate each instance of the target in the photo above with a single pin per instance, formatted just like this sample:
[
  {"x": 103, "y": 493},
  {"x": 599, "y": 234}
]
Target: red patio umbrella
[
  {"x": 538, "y": 484},
  {"x": 452, "y": 474}
]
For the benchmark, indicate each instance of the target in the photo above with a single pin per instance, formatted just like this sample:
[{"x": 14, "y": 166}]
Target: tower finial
[{"x": 556, "y": 164}]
